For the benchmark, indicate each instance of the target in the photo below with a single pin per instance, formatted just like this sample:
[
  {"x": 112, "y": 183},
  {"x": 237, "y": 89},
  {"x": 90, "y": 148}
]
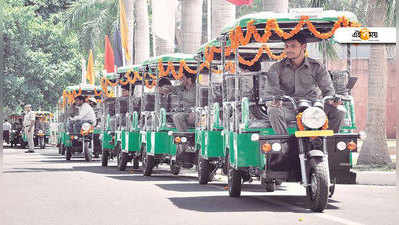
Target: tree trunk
[
  {"x": 142, "y": 32},
  {"x": 223, "y": 13},
  {"x": 375, "y": 150},
  {"x": 191, "y": 24},
  {"x": 130, "y": 24},
  {"x": 277, "y": 6},
  {"x": 163, "y": 26}
]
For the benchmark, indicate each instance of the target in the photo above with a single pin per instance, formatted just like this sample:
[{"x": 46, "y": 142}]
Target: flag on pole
[
  {"x": 109, "y": 64},
  {"x": 124, "y": 30},
  {"x": 241, "y": 2},
  {"x": 89, "y": 71}
]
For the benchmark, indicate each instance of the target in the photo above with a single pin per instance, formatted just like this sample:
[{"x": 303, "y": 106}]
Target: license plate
[{"x": 314, "y": 133}]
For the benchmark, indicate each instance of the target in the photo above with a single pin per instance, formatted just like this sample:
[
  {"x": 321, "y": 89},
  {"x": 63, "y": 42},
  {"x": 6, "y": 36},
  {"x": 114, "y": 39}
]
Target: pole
[{"x": 209, "y": 22}]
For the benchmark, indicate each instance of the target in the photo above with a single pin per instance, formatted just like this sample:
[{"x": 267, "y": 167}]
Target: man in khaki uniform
[
  {"x": 186, "y": 92},
  {"x": 302, "y": 78},
  {"x": 29, "y": 126}
]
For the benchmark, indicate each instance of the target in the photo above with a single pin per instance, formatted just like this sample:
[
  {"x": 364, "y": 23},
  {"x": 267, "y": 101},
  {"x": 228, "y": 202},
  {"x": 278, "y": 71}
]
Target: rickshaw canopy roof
[
  {"x": 176, "y": 57},
  {"x": 83, "y": 87},
  {"x": 111, "y": 76},
  {"x": 124, "y": 69},
  {"x": 290, "y": 19}
]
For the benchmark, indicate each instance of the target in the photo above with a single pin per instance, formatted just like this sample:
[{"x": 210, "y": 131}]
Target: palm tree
[
  {"x": 223, "y": 12},
  {"x": 163, "y": 26},
  {"x": 375, "y": 150},
  {"x": 91, "y": 20},
  {"x": 278, "y": 6},
  {"x": 141, "y": 32},
  {"x": 191, "y": 24}
]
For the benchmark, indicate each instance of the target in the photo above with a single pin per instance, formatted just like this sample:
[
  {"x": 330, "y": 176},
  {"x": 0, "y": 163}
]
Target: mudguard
[{"x": 315, "y": 153}]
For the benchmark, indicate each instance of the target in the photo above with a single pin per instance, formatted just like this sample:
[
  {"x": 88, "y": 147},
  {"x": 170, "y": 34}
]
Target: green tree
[{"x": 39, "y": 61}]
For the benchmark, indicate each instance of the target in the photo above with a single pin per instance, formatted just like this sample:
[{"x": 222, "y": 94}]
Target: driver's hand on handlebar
[
  {"x": 276, "y": 103},
  {"x": 334, "y": 103}
]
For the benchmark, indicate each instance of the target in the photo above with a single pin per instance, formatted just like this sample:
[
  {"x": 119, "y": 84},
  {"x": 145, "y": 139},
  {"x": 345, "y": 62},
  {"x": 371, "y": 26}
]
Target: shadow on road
[
  {"x": 159, "y": 176},
  {"x": 294, "y": 204},
  {"x": 37, "y": 170},
  {"x": 229, "y": 204},
  {"x": 188, "y": 187}
]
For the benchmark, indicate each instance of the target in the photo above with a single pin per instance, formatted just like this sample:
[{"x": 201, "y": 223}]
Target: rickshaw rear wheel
[
  {"x": 203, "y": 170},
  {"x": 104, "y": 158},
  {"x": 68, "y": 153},
  {"x": 148, "y": 163},
  {"x": 234, "y": 181},
  {"x": 317, "y": 191},
  {"x": 122, "y": 161}
]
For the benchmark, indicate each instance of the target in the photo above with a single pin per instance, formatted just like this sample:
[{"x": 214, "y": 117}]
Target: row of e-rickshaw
[
  {"x": 232, "y": 130},
  {"x": 41, "y": 133}
]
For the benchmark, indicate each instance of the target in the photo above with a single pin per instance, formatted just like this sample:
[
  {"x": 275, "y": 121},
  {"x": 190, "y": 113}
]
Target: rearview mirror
[{"x": 351, "y": 83}]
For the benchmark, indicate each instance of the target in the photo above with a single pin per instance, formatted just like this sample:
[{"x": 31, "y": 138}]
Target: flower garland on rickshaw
[{"x": 237, "y": 38}]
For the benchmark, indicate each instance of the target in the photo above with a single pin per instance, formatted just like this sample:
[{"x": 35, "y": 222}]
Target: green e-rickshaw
[
  {"x": 257, "y": 152},
  {"x": 157, "y": 110},
  {"x": 85, "y": 141}
]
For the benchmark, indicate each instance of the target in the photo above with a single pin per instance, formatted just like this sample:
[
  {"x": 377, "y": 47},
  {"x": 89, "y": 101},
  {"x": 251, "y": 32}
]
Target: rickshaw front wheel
[
  {"x": 174, "y": 168},
  {"x": 68, "y": 153},
  {"x": 135, "y": 163},
  {"x": 149, "y": 163},
  {"x": 317, "y": 191},
  {"x": 104, "y": 158},
  {"x": 203, "y": 170},
  {"x": 122, "y": 161},
  {"x": 234, "y": 181}
]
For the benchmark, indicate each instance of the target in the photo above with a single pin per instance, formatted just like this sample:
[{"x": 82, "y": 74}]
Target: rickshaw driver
[
  {"x": 300, "y": 77},
  {"x": 86, "y": 114},
  {"x": 186, "y": 91}
]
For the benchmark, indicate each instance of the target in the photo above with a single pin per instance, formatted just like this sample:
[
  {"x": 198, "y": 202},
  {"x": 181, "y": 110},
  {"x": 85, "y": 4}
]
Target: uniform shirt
[
  {"x": 6, "y": 126},
  {"x": 86, "y": 112},
  {"x": 186, "y": 97},
  {"x": 28, "y": 118},
  {"x": 310, "y": 80}
]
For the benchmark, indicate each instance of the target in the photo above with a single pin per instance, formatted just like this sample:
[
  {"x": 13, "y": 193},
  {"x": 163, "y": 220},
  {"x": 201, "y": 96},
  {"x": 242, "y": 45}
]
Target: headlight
[
  {"x": 86, "y": 126},
  {"x": 255, "y": 137},
  {"x": 362, "y": 135},
  {"x": 276, "y": 147},
  {"x": 40, "y": 132},
  {"x": 314, "y": 117},
  {"x": 341, "y": 145},
  {"x": 184, "y": 139}
]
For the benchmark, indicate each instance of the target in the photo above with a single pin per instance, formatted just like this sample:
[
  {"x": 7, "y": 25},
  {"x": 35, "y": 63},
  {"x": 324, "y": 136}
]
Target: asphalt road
[{"x": 43, "y": 188}]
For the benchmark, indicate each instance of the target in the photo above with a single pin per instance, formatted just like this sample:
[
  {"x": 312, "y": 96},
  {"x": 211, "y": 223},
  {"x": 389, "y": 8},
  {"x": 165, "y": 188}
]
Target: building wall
[{"x": 360, "y": 93}]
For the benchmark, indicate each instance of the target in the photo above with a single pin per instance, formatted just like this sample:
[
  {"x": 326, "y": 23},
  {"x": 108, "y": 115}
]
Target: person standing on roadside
[
  {"x": 29, "y": 126},
  {"x": 6, "y": 131}
]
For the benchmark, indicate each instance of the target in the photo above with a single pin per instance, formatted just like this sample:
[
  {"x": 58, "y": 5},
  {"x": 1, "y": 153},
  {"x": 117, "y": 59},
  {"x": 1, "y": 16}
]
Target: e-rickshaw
[
  {"x": 130, "y": 130},
  {"x": 84, "y": 141},
  {"x": 121, "y": 136},
  {"x": 110, "y": 137},
  {"x": 157, "y": 112},
  {"x": 42, "y": 128},
  {"x": 17, "y": 132},
  {"x": 258, "y": 152}
]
